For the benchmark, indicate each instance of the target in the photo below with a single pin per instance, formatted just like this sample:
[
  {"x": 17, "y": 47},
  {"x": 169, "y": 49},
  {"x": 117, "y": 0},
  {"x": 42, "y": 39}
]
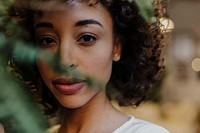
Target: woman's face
[{"x": 82, "y": 36}]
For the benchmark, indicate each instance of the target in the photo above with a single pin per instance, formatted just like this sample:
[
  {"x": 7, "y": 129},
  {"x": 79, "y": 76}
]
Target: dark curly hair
[{"x": 132, "y": 76}]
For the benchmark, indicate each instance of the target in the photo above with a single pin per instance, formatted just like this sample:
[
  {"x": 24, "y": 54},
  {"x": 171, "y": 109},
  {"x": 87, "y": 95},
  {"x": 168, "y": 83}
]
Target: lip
[{"x": 68, "y": 86}]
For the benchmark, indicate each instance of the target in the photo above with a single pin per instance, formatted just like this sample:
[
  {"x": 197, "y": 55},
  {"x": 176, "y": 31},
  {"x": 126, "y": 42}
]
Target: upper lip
[{"x": 67, "y": 81}]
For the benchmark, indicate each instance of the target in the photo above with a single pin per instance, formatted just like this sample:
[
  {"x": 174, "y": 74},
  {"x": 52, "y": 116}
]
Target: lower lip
[{"x": 69, "y": 89}]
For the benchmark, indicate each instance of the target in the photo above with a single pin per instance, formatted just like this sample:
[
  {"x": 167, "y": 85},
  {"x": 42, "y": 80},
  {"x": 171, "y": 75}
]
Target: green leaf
[{"x": 146, "y": 9}]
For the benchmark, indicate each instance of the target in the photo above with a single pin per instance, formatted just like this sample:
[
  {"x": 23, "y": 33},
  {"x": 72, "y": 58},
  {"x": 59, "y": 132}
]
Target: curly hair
[{"x": 132, "y": 76}]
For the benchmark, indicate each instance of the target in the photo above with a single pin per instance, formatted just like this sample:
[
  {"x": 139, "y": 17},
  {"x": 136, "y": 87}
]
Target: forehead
[
  {"x": 55, "y": 5},
  {"x": 74, "y": 13},
  {"x": 42, "y": 8}
]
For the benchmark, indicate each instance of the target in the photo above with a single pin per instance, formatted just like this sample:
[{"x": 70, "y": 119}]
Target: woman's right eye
[{"x": 46, "y": 42}]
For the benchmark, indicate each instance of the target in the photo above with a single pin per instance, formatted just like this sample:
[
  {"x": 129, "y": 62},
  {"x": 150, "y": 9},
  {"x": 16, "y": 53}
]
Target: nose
[{"x": 67, "y": 55}]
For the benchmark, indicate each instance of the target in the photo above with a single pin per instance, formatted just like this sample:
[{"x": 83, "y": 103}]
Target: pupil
[
  {"x": 48, "y": 40},
  {"x": 87, "y": 38}
]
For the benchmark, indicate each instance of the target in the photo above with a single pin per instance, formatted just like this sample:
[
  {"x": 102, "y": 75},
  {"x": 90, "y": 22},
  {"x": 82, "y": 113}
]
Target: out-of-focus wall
[{"x": 180, "y": 91}]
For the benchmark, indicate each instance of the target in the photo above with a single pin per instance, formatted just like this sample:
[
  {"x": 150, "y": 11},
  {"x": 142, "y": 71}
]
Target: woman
[{"x": 110, "y": 46}]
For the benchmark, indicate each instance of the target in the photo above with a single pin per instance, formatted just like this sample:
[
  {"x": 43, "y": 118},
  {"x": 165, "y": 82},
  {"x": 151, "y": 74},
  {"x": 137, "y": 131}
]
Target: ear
[{"x": 117, "y": 50}]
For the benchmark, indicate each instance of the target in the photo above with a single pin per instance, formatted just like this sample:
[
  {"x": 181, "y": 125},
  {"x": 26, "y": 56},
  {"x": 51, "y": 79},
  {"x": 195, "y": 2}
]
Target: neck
[{"x": 91, "y": 116}]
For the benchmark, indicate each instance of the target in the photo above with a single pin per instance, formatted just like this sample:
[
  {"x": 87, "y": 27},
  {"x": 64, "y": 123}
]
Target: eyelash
[
  {"x": 46, "y": 44},
  {"x": 83, "y": 39}
]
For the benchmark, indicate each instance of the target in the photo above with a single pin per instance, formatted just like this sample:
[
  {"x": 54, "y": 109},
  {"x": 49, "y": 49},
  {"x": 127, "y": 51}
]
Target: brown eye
[
  {"x": 87, "y": 39},
  {"x": 46, "y": 42}
]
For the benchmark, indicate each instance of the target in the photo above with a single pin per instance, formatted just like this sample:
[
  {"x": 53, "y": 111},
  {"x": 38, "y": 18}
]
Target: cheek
[
  {"x": 45, "y": 72},
  {"x": 99, "y": 66}
]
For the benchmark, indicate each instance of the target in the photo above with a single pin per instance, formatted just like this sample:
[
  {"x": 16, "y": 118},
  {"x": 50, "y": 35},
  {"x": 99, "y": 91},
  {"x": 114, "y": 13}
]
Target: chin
[
  {"x": 75, "y": 101},
  {"x": 73, "y": 105}
]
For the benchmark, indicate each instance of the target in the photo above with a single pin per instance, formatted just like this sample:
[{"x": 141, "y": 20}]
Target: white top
[
  {"x": 133, "y": 125},
  {"x": 140, "y": 126}
]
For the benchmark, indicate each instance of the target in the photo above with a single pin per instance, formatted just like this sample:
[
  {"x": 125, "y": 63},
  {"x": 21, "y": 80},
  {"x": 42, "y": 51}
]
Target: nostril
[
  {"x": 65, "y": 68},
  {"x": 72, "y": 65}
]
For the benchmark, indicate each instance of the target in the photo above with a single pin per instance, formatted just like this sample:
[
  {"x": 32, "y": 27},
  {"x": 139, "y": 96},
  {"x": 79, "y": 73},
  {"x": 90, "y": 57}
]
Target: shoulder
[{"x": 140, "y": 126}]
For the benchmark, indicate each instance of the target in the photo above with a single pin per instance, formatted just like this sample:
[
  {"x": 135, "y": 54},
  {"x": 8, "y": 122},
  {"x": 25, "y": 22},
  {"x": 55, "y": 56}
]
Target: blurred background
[{"x": 176, "y": 101}]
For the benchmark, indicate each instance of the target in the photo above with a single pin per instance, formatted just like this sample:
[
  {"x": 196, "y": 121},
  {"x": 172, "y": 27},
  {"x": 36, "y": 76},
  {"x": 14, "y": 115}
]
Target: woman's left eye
[{"x": 87, "y": 39}]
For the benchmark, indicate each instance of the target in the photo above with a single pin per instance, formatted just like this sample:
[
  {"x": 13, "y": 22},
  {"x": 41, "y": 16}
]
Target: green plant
[{"x": 17, "y": 110}]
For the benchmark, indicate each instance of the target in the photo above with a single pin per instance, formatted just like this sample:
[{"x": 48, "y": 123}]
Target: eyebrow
[
  {"x": 79, "y": 23},
  {"x": 88, "y": 21},
  {"x": 44, "y": 24}
]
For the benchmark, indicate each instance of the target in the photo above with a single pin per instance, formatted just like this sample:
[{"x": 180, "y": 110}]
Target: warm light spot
[
  {"x": 167, "y": 24},
  {"x": 196, "y": 64}
]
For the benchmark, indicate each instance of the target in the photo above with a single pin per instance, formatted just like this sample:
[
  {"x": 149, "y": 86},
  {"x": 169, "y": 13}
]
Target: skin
[
  {"x": 2, "y": 128},
  {"x": 86, "y": 46}
]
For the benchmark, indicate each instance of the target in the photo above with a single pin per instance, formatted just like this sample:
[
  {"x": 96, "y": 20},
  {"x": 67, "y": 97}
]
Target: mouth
[{"x": 68, "y": 86}]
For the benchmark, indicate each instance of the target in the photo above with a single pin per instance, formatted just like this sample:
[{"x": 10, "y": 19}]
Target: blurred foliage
[
  {"x": 146, "y": 9},
  {"x": 18, "y": 112}
]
